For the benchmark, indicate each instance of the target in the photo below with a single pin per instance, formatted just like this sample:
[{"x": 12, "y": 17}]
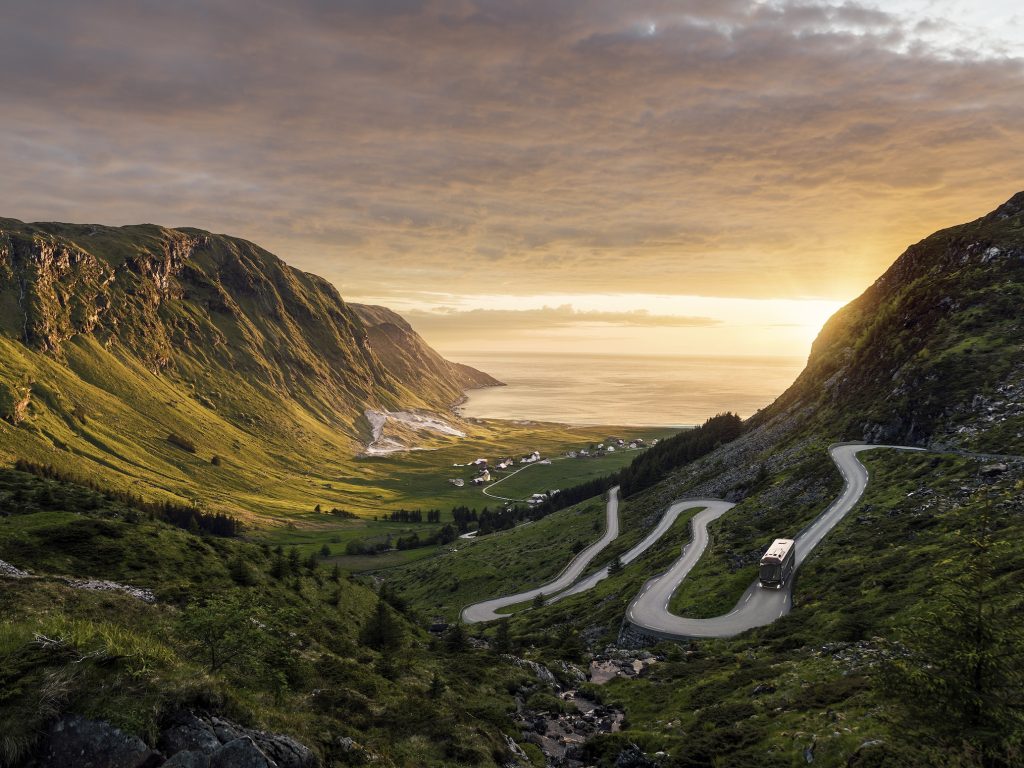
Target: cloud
[
  {"x": 448, "y": 320},
  {"x": 693, "y": 146}
]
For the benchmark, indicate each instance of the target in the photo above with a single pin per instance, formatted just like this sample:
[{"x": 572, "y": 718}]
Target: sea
[{"x": 624, "y": 390}]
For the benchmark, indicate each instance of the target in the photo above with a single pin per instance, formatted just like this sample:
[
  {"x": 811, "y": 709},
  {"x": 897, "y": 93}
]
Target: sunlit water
[{"x": 625, "y": 390}]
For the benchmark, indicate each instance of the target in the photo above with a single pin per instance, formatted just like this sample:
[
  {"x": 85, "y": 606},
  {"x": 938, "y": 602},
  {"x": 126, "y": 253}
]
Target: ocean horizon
[{"x": 627, "y": 390}]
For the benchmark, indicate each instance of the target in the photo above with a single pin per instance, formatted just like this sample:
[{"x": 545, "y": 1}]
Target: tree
[
  {"x": 382, "y": 630},
  {"x": 503, "y": 638},
  {"x": 325, "y": 551},
  {"x": 615, "y": 567},
  {"x": 336, "y": 573},
  {"x": 456, "y": 641},
  {"x": 538, "y": 600},
  {"x": 964, "y": 662},
  {"x": 437, "y": 687},
  {"x": 279, "y": 566},
  {"x": 226, "y": 630},
  {"x": 241, "y": 572}
]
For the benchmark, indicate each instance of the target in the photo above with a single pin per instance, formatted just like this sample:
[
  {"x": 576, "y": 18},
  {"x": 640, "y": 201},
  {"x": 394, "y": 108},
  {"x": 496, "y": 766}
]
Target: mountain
[
  {"x": 906, "y": 637},
  {"x": 411, "y": 360},
  {"x": 932, "y": 352},
  {"x": 129, "y": 347}
]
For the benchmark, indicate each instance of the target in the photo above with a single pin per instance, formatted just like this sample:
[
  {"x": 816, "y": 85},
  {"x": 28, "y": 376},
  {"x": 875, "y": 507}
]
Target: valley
[{"x": 265, "y": 474}]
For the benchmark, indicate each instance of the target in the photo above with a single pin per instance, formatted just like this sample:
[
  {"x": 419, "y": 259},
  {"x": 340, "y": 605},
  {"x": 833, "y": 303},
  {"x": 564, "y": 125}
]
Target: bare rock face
[
  {"x": 220, "y": 740},
  {"x": 240, "y": 753},
  {"x": 188, "y": 740},
  {"x": 187, "y": 732},
  {"x": 76, "y": 741}
]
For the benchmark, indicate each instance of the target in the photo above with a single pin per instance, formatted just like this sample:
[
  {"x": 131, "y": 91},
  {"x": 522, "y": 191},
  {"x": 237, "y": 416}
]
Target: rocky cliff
[
  {"x": 409, "y": 358},
  {"x": 215, "y": 306},
  {"x": 153, "y": 351}
]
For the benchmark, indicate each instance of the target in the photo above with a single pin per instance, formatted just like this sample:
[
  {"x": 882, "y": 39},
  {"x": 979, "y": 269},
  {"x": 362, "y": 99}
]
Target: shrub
[{"x": 181, "y": 442}]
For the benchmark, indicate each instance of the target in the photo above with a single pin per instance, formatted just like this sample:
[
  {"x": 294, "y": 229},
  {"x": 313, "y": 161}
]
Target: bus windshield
[{"x": 770, "y": 572}]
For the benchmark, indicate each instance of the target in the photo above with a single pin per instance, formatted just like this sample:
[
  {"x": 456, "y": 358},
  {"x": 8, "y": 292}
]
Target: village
[{"x": 482, "y": 472}]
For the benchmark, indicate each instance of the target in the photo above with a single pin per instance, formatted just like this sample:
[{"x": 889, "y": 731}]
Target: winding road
[
  {"x": 486, "y": 611},
  {"x": 649, "y": 612}
]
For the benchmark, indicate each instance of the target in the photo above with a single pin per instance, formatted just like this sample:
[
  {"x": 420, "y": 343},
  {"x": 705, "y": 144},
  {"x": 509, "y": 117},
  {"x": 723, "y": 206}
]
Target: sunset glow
[{"x": 755, "y": 163}]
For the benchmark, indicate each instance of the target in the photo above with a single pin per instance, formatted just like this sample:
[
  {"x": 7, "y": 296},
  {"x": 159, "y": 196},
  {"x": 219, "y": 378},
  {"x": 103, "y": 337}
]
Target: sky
[{"x": 677, "y": 176}]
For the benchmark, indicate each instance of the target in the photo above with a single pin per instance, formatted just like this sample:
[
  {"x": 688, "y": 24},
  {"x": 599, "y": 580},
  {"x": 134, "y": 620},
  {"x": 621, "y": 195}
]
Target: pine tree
[
  {"x": 456, "y": 641},
  {"x": 437, "y": 687},
  {"x": 502, "y": 638},
  {"x": 615, "y": 567},
  {"x": 538, "y": 601},
  {"x": 382, "y": 630}
]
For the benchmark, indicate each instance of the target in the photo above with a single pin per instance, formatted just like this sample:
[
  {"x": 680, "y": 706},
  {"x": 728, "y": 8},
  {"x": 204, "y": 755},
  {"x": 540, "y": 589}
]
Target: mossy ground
[{"x": 308, "y": 673}]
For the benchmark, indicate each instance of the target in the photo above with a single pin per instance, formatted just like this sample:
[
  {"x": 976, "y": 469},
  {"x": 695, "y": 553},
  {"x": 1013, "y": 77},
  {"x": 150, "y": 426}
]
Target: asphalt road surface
[
  {"x": 486, "y": 611},
  {"x": 649, "y": 609},
  {"x": 758, "y": 606}
]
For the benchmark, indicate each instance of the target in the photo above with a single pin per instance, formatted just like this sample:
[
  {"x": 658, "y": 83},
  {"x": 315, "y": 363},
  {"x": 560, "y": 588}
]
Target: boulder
[
  {"x": 284, "y": 750},
  {"x": 188, "y": 759},
  {"x": 75, "y": 741},
  {"x": 633, "y": 757},
  {"x": 240, "y": 753},
  {"x": 187, "y": 732}
]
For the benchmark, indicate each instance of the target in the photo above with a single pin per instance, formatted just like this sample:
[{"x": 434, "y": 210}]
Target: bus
[{"x": 777, "y": 563}]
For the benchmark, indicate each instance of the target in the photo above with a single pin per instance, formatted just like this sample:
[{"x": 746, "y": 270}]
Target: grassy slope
[
  {"x": 145, "y": 663},
  {"x": 105, "y": 415},
  {"x": 499, "y": 563},
  {"x": 867, "y": 580}
]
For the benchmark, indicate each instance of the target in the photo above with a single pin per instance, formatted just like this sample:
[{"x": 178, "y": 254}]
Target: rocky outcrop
[
  {"x": 76, "y": 741},
  {"x": 14, "y": 403},
  {"x": 8, "y": 571},
  {"x": 229, "y": 745},
  {"x": 188, "y": 740}
]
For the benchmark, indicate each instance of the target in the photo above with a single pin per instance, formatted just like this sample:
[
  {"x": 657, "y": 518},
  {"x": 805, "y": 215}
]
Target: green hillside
[{"x": 906, "y": 641}]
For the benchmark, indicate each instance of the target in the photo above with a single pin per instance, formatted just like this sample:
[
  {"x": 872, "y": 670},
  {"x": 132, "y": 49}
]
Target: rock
[
  {"x": 226, "y": 730},
  {"x": 75, "y": 741},
  {"x": 188, "y": 759},
  {"x": 633, "y": 757},
  {"x": 543, "y": 673},
  {"x": 240, "y": 753},
  {"x": 284, "y": 750},
  {"x": 99, "y": 585},
  {"x": 762, "y": 688},
  {"x": 8, "y": 571},
  {"x": 992, "y": 469},
  {"x": 516, "y": 750},
  {"x": 185, "y": 731}
]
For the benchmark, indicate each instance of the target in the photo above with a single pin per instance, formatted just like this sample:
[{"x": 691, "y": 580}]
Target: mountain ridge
[{"x": 131, "y": 347}]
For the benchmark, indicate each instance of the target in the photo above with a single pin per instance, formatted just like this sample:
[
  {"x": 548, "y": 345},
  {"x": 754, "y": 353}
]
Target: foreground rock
[
  {"x": 75, "y": 741},
  {"x": 560, "y": 731},
  {"x": 187, "y": 741}
]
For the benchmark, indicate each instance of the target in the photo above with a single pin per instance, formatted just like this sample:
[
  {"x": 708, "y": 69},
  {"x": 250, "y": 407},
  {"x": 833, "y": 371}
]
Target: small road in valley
[
  {"x": 649, "y": 611},
  {"x": 486, "y": 611}
]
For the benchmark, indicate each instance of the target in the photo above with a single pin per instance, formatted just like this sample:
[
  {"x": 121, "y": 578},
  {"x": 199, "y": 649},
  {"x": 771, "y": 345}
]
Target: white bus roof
[{"x": 778, "y": 550}]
